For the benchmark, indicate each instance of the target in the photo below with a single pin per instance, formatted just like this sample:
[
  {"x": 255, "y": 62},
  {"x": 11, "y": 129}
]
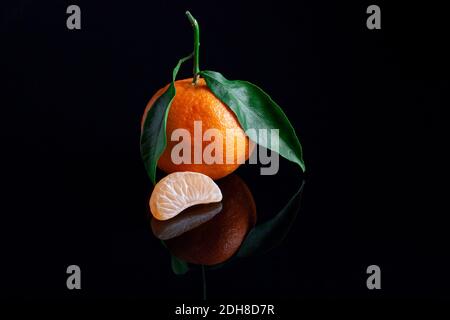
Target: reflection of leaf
[
  {"x": 179, "y": 266},
  {"x": 268, "y": 235},
  {"x": 153, "y": 137},
  {"x": 256, "y": 110}
]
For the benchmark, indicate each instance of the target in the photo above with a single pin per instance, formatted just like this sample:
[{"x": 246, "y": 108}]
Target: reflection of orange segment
[
  {"x": 218, "y": 239},
  {"x": 190, "y": 218},
  {"x": 181, "y": 190},
  {"x": 197, "y": 103}
]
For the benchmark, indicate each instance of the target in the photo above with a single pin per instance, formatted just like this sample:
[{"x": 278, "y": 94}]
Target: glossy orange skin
[{"x": 197, "y": 103}]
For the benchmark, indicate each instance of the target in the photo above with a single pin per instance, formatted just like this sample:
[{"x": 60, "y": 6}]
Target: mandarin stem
[
  {"x": 196, "y": 28},
  {"x": 204, "y": 282}
]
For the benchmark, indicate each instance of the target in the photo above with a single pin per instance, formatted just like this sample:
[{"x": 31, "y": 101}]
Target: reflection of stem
[{"x": 204, "y": 282}]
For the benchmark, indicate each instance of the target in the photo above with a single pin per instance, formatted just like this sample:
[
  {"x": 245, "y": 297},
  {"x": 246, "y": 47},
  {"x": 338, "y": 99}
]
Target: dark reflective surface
[
  {"x": 218, "y": 239},
  {"x": 365, "y": 103},
  {"x": 187, "y": 220}
]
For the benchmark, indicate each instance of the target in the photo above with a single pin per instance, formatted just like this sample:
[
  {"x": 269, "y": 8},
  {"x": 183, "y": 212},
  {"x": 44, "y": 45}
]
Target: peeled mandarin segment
[{"x": 181, "y": 190}]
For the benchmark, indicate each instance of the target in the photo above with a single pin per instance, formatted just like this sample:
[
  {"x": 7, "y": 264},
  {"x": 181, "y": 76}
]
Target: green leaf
[
  {"x": 270, "y": 234},
  {"x": 256, "y": 110},
  {"x": 179, "y": 267},
  {"x": 153, "y": 137}
]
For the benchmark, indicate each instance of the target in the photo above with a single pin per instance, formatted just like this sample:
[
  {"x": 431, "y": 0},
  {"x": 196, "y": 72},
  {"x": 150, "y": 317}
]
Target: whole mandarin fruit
[{"x": 197, "y": 103}]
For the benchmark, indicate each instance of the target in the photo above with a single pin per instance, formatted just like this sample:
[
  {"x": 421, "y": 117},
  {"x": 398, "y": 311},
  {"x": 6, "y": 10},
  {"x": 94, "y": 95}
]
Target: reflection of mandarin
[
  {"x": 197, "y": 103},
  {"x": 218, "y": 239}
]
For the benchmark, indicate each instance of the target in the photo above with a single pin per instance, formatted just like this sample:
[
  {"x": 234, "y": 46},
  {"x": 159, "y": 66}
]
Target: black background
[{"x": 366, "y": 104}]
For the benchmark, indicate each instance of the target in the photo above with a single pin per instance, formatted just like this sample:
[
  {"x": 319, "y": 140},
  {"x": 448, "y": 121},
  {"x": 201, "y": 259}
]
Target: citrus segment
[{"x": 181, "y": 190}]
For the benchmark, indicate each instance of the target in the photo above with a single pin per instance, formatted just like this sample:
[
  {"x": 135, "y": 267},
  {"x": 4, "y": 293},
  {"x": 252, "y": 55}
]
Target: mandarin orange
[{"x": 197, "y": 103}]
